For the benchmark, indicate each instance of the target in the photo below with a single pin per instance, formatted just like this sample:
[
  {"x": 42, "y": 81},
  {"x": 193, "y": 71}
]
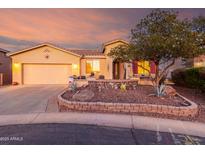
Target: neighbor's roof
[{"x": 3, "y": 50}]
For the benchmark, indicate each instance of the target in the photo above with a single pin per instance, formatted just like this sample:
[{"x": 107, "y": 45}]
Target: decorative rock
[
  {"x": 185, "y": 111},
  {"x": 83, "y": 95},
  {"x": 99, "y": 89},
  {"x": 170, "y": 91},
  {"x": 116, "y": 87},
  {"x": 112, "y": 84}
]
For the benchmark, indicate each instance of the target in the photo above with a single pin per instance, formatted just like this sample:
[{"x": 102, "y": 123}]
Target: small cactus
[
  {"x": 73, "y": 86},
  {"x": 160, "y": 90}
]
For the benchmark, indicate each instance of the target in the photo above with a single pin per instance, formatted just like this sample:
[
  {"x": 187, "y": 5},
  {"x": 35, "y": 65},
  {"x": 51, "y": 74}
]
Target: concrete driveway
[{"x": 29, "y": 98}]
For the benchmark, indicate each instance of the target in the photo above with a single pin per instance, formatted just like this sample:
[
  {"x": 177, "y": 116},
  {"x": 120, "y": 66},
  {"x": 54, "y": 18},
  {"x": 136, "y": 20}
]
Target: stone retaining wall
[
  {"x": 113, "y": 84},
  {"x": 185, "y": 111}
]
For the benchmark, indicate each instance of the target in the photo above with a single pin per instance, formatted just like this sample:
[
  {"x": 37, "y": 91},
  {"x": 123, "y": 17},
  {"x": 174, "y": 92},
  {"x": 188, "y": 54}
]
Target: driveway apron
[{"x": 27, "y": 98}]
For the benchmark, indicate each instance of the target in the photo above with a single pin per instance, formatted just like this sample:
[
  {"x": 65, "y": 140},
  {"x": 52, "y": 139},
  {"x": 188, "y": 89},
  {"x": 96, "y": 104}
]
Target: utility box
[{"x": 1, "y": 79}]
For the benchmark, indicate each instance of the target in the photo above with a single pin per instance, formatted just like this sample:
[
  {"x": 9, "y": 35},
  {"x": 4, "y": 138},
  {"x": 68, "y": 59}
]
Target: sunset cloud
[{"x": 74, "y": 28}]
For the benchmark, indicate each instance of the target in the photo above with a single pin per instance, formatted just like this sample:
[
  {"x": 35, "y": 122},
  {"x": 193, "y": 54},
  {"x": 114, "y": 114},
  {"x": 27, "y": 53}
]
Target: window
[
  {"x": 144, "y": 64},
  {"x": 92, "y": 66}
]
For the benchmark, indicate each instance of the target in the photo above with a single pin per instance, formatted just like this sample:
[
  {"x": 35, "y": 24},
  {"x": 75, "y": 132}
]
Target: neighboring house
[
  {"x": 5, "y": 67},
  {"x": 199, "y": 61},
  {"x": 50, "y": 64},
  {"x": 187, "y": 63}
]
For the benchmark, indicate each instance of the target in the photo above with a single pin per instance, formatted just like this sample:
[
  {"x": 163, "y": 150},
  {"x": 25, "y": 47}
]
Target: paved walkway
[
  {"x": 29, "y": 99},
  {"x": 112, "y": 120}
]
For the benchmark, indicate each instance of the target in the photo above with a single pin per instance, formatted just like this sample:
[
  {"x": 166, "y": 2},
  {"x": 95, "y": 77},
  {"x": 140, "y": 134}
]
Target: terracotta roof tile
[{"x": 87, "y": 52}]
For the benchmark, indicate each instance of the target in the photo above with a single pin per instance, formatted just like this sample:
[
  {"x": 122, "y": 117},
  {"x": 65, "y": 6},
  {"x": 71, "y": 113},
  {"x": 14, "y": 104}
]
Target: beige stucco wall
[
  {"x": 199, "y": 61},
  {"x": 39, "y": 55},
  {"x": 103, "y": 68},
  {"x": 109, "y": 60},
  {"x": 106, "y": 63},
  {"x": 57, "y": 56}
]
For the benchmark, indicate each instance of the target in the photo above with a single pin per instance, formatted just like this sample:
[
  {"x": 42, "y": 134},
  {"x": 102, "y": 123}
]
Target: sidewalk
[{"x": 112, "y": 120}]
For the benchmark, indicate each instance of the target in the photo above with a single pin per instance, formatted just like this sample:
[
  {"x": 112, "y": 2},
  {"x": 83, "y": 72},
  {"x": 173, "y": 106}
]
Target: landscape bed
[
  {"x": 140, "y": 95},
  {"x": 131, "y": 101}
]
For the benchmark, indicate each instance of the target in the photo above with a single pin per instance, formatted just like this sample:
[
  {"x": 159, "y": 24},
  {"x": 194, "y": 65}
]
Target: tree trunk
[
  {"x": 157, "y": 81},
  {"x": 157, "y": 87}
]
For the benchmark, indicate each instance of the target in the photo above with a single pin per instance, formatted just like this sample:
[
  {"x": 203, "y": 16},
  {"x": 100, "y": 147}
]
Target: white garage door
[{"x": 46, "y": 73}]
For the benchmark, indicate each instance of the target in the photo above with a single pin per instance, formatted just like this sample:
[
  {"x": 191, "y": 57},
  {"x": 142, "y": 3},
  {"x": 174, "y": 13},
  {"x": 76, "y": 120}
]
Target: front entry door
[{"x": 116, "y": 70}]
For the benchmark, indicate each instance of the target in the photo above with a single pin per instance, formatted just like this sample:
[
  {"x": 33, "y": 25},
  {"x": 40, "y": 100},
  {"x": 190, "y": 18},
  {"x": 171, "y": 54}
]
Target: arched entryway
[{"x": 118, "y": 70}]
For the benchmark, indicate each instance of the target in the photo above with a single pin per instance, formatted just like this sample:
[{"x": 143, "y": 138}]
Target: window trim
[{"x": 92, "y": 62}]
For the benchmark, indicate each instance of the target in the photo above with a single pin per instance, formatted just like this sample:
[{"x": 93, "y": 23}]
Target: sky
[{"x": 71, "y": 28}]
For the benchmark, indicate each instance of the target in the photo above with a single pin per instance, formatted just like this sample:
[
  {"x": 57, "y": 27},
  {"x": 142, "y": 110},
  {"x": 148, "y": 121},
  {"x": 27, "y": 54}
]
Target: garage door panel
[{"x": 46, "y": 74}]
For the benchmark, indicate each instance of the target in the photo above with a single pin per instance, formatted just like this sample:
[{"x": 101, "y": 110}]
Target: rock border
[{"x": 128, "y": 108}]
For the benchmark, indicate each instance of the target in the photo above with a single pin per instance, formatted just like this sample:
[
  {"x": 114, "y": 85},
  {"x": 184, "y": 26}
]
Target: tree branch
[
  {"x": 143, "y": 68},
  {"x": 166, "y": 68}
]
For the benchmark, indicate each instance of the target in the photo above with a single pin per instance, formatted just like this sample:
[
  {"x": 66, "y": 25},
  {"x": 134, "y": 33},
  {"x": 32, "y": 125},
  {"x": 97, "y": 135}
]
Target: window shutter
[
  {"x": 135, "y": 67},
  {"x": 153, "y": 67}
]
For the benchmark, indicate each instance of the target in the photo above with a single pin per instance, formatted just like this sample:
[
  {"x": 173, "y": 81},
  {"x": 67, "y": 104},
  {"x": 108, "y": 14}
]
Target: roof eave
[
  {"x": 100, "y": 56},
  {"x": 3, "y": 50},
  {"x": 41, "y": 45},
  {"x": 112, "y": 42}
]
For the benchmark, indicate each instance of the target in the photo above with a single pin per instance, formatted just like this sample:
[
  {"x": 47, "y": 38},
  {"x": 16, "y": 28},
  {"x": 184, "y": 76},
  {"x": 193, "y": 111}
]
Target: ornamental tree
[
  {"x": 162, "y": 38},
  {"x": 121, "y": 54},
  {"x": 198, "y": 24}
]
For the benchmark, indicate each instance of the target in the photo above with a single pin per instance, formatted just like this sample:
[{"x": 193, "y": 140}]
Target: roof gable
[
  {"x": 42, "y": 45},
  {"x": 113, "y": 42}
]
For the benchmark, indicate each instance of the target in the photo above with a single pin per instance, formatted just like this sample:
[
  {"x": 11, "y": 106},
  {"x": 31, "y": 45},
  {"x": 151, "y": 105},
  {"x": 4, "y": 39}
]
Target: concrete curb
[
  {"x": 111, "y": 120},
  {"x": 130, "y": 108}
]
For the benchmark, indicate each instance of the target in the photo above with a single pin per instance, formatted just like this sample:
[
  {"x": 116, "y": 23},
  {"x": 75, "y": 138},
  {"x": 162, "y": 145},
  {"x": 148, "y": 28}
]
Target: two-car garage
[
  {"x": 46, "y": 73},
  {"x": 44, "y": 64}
]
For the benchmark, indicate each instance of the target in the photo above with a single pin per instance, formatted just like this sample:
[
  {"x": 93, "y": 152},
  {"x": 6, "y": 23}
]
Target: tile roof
[
  {"x": 78, "y": 52},
  {"x": 86, "y": 52},
  {"x": 3, "y": 50}
]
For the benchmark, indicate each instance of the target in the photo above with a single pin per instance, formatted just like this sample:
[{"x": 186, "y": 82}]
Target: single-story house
[
  {"x": 5, "y": 68},
  {"x": 50, "y": 64}
]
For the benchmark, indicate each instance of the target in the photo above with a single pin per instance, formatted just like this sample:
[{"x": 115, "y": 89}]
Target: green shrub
[
  {"x": 190, "y": 77},
  {"x": 178, "y": 77}
]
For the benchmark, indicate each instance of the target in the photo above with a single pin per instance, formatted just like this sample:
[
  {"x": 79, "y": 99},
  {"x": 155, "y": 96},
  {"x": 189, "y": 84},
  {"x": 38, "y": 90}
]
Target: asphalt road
[{"x": 69, "y": 134}]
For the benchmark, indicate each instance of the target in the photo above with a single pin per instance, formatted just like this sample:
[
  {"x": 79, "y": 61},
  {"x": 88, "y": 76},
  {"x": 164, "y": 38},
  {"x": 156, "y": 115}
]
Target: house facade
[
  {"x": 5, "y": 68},
  {"x": 49, "y": 64}
]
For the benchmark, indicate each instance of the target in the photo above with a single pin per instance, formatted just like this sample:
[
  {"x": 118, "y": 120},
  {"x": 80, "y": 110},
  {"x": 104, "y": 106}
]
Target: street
[{"x": 77, "y": 134}]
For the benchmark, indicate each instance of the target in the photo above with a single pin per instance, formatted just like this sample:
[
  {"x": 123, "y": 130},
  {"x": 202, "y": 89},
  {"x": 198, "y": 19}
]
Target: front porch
[{"x": 133, "y": 70}]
